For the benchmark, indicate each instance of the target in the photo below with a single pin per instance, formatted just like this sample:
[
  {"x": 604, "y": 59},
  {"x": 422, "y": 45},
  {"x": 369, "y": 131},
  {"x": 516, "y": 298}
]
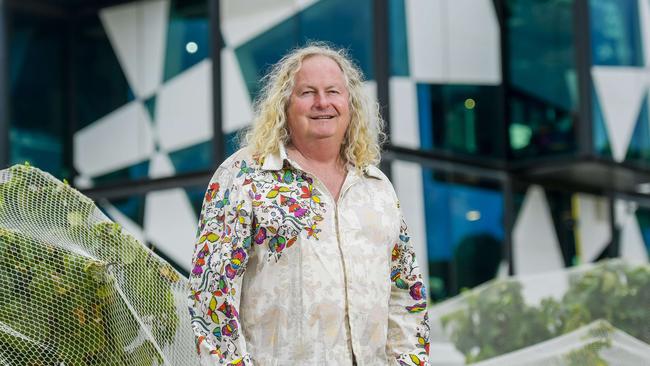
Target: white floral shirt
[{"x": 284, "y": 275}]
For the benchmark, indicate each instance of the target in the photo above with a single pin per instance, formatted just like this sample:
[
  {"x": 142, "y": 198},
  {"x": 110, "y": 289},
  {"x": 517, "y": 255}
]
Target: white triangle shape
[
  {"x": 633, "y": 248},
  {"x": 170, "y": 224},
  {"x": 237, "y": 109},
  {"x": 138, "y": 33},
  {"x": 160, "y": 166},
  {"x": 535, "y": 245},
  {"x": 620, "y": 91},
  {"x": 593, "y": 226}
]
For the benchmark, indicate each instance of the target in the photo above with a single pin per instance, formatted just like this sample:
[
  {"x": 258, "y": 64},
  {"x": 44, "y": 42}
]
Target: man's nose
[{"x": 321, "y": 100}]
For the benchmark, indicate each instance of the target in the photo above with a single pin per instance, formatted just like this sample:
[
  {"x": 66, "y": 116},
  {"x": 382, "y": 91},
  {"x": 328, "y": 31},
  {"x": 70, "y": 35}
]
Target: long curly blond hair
[{"x": 364, "y": 136}]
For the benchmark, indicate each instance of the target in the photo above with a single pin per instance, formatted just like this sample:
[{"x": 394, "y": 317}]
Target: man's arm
[
  {"x": 218, "y": 264},
  {"x": 408, "y": 325}
]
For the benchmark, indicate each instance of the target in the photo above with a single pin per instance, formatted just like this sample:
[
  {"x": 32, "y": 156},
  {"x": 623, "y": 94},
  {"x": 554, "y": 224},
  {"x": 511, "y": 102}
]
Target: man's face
[{"x": 319, "y": 104}]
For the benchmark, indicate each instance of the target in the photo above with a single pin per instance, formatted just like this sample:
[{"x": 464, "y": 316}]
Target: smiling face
[{"x": 319, "y": 103}]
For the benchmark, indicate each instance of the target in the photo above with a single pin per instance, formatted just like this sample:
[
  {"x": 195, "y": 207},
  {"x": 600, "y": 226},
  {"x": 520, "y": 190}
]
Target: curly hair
[{"x": 364, "y": 136}]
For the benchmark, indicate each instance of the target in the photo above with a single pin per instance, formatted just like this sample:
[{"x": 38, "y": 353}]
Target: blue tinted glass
[
  {"x": 464, "y": 234},
  {"x": 398, "y": 47},
  {"x": 188, "y": 34},
  {"x": 601, "y": 141},
  {"x": 192, "y": 158},
  {"x": 100, "y": 83},
  {"x": 42, "y": 150},
  {"x": 346, "y": 24},
  {"x": 196, "y": 195},
  {"x": 460, "y": 119},
  {"x": 639, "y": 148},
  {"x": 231, "y": 142},
  {"x": 37, "y": 67},
  {"x": 541, "y": 49},
  {"x": 424, "y": 116},
  {"x": 135, "y": 172},
  {"x": 257, "y": 55},
  {"x": 615, "y": 33},
  {"x": 132, "y": 207}
]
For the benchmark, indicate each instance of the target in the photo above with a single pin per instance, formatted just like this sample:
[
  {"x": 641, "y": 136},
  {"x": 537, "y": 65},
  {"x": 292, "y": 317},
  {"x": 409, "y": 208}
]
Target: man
[{"x": 303, "y": 257}]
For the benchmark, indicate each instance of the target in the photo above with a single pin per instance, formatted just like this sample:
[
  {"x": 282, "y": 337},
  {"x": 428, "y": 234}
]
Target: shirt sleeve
[
  {"x": 408, "y": 323},
  {"x": 218, "y": 263}
]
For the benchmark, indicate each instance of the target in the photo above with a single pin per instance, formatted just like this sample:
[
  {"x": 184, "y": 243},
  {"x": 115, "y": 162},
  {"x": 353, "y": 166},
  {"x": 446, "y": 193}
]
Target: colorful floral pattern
[{"x": 273, "y": 221}]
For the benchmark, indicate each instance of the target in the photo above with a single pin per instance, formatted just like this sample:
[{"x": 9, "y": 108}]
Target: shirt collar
[{"x": 277, "y": 161}]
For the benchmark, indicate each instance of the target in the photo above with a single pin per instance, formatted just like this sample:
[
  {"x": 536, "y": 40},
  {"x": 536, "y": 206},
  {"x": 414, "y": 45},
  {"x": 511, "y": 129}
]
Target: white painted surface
[
  {"x": 118, "y": 140},
  {"x": 593, "y": 226},
  {"x": 138, "y": 33},
  {"x": 427, "y": 38},
  {"x": 474, "y": 42},
  {"x": 237, "y": 109},
  {"x": 184, "y": 108},
  {"x": 161, "y": 166},
  {"x": 243, "y": 20},
  {"x": 404, "y": 127},
  {"x": 407, "y": 179},
  {"x": 631, "y": 243},
  {"x": 170, "y": 224},
  {"x": 535, "y": 244},
  {"x": 453, "y": 41},
  {"x": 620, "y": 91}
]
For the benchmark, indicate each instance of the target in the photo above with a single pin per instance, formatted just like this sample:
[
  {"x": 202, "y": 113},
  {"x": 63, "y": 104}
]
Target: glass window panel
[
  {"x": 398, "y": 44},
  {"x": 464, "y": 224},
  {"x": 460, "y": 119},
  {"x": 37, "y": 93},
  {"x": 188, "y": 36},
  {"x": 100, "y": 84},
  {"x": 543, "y": 81},
  {"x": 615, "y": 33},
  {"x": 342, "y": 23}
]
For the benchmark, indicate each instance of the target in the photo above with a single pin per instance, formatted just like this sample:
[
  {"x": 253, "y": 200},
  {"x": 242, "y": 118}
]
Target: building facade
[{"x": 519, "y": 129}]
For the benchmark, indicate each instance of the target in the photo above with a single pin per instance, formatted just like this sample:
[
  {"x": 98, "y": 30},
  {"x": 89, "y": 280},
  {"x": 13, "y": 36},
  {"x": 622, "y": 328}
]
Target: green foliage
[
  {"x": 495, "y": 320},
  {"x": 61, "y": 305}
]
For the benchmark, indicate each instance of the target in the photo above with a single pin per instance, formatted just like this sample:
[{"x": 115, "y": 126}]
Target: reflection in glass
[
  {"x": 615, "y": 33},
  {"x": 37, "y": 88},
  {"x": 464, "y": 232},
  {"x": 346, "y": 24},
  {"x": 543, "y": 80},
  {"x": 460, "y": 118},
  {"x": 188, "y": 35}
]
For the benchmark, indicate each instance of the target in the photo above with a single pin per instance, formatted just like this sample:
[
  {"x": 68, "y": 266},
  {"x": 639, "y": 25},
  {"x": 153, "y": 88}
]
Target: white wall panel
[
  {"x": 243, "y": 20},
  {"x": 474, "y": 42},
  {"x": 620, "y": 91},
  {"x": 118, "y": 140},
  {"x": 631, "y": 243},
  {"x": 170, "y": 224},
  {"x": 404, "y": 123},
  {"x": 184, "y": 108},
  {"x": 454, "y": 41},
  {"x": 535, "y": 244},
  {"x": 426, "y": 32},
  {"x": 407, "y": 178},
  {"x": 138, "y": 33},
  {"x": 237, "y": 109},
  {"x": 593, "y": 226}
]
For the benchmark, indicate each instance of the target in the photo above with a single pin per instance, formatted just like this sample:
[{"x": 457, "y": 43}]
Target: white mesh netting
[
  {"x": 75, "y": 289},
  {"x": 596, "y": 314}
]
